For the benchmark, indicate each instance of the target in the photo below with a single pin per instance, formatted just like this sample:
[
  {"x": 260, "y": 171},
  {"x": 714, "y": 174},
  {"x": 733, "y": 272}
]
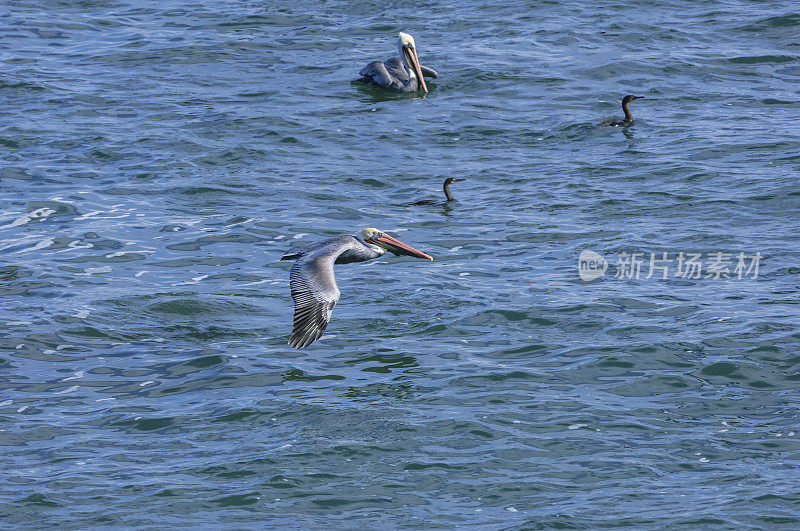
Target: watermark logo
[
  {"x": 591, "y": 265},
  {"x": 687, "y": 266}
]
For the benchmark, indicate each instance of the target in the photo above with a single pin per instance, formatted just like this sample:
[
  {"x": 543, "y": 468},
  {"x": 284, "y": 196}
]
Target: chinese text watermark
[{"x": 664, "y": 265}]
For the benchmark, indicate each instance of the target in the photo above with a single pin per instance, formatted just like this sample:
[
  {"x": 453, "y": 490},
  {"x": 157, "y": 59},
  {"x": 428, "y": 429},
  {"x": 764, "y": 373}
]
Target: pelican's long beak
[
  {"x": 414, "y": 59},
  {"x": 397, "y": 247}
]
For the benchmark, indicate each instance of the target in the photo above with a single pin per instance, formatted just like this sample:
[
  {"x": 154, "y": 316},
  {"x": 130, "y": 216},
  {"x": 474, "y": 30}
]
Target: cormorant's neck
[
  {"x": 447, "y": 193},
  {"x": 627, "y": 111}
]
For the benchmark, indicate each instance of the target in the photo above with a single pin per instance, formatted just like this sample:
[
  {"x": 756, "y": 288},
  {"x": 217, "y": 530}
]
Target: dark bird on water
[
  {"x": 447, "y": 194},
  {"x": 401, "y": 74},
  {"x": 313, "y": 285},
  {"x": 628, "y": 116}
]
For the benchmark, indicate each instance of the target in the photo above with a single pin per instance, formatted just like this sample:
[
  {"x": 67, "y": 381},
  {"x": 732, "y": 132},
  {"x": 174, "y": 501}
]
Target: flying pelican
[
  {"x": 447, "y": 194},
  {"x": 403, "y": 74},
  {"x": 313, "y": 285},
  {"x": 628, "y": 116}
]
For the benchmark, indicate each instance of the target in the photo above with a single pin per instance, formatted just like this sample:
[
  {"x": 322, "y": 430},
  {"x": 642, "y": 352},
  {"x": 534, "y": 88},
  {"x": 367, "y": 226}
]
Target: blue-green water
[{"x": 157, "y": 158}]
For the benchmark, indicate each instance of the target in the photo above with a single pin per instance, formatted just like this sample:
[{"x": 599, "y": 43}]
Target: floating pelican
[
  {"x": 447, "y": 194},
  {"x": 312, "y": 282},
  {"x": 628, "y": 116},
  {"x": 403, "y": 74}
]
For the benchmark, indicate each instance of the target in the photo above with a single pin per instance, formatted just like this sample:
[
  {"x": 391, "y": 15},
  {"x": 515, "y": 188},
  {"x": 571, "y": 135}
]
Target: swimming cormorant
[
  {"x": 628, "y": 116},
  {"x": 447, "y": 194}
]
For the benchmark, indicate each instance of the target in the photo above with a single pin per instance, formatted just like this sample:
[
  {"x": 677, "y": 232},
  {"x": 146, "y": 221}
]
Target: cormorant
[
  {"x": 447, "y": 194},
  {"x": 628, "y": 116}
]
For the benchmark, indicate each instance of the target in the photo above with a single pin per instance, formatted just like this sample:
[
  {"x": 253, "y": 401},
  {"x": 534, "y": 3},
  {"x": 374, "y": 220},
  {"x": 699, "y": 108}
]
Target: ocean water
[{"x": 157, "y": 159}]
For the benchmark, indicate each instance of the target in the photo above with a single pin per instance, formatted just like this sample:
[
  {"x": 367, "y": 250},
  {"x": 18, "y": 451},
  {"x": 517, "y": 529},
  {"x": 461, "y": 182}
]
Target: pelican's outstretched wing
[
  {"x": 315, "y": 293},
  {"x": 296, "y": 252}
]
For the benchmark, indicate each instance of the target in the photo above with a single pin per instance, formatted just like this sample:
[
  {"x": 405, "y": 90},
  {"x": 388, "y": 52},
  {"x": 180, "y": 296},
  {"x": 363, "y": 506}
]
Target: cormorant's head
[
  {"x": 451, "y": 180},
  {"x": 629, "y": 98}
]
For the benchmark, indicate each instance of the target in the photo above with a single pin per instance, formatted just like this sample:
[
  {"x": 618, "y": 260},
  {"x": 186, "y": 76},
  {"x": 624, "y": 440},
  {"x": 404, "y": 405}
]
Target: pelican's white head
[
  {"x": 369, "y": 233},
  {"x": 377, "y": 238},
  {"x": 407, "y": 49},
  {"x": 404, "y": 39}
]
